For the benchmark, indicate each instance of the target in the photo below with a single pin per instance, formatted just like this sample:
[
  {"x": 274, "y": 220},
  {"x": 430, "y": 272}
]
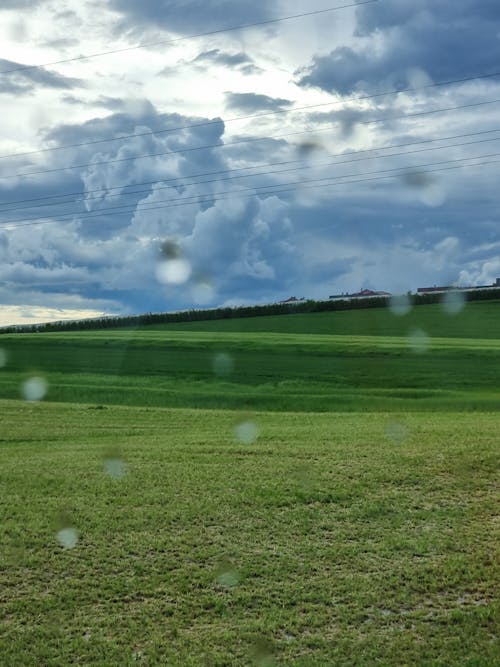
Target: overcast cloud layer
[{"x": 190, "y": 207}]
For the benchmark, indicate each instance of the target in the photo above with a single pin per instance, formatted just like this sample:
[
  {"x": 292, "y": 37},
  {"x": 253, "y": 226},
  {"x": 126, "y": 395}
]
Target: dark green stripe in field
[{"x": 317, "y": 362}]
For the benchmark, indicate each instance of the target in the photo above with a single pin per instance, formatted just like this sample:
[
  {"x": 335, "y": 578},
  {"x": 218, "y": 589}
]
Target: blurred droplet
[
  {"x": 430, "y": 192},
  {"x": 173, "y": 268},
  {"x": 453, "y": 302},
  {"x": 222, "y": 364},
  {"x": 115, "y": 468},
  {"x": 34, "y": 389},
  {"x": 3, "y": 357},
  {"x": 419, "y": 341},
  {"x": 67, "y": 538},
  {"x": 263, "y": 653},
  {"x": 304, "y": 477},
  {"x": 418, "y": 78},
  {"x": 227, "y": 575},
  {"x": 417, "y": 179},
  {"x": 170, "y": 250},
  {"x": 400, "y": 304},
  {"x": 203, "y": 292},
  {"x": 397, "y": 432},
  {"x": 433, "y": 196},
  {"x": 308, "y": 150},
  {"x": 247, "y": 432},
  {"x": 173, "y": 271}
]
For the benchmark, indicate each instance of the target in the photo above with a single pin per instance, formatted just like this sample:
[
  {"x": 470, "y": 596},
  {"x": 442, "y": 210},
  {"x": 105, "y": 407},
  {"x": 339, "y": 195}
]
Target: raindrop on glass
[
  {"x": 173, "y": 268},
  {"x": 397, "y": 432},
  {"x": 247, "y": 432},
  {"x": 203, "y": 293},
  {"x": 222, "y": 364},
  {"x": 262, "y": 654},
  {"x": 173, "y": 271},
  {"x": 34, "y": 389},
  {"x": 453, "y": 302},
  {"x": 227, "y": 575},
  {"x": 419, "y": 341},
  {"x": 400, "y": 304},
  {"x": 67, "y": 538},
  {"x": 115, "y": 468}
]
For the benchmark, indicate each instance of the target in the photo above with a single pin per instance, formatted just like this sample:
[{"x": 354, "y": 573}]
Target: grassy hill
[
  {"x": 301, "y": 490},
  {"x": 364, "y": 359}
]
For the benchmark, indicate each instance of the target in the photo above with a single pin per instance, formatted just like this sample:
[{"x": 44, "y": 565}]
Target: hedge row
[{"x": 308, "y": 306}]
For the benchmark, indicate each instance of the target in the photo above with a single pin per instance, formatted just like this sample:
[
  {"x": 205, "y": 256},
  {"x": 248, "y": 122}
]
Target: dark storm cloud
[
  {"x": 252, "y": 103},
  {"x": 442, "y": 39},
  {"x": 187, "y": 16},
  {"x": 26, "y": 81}
]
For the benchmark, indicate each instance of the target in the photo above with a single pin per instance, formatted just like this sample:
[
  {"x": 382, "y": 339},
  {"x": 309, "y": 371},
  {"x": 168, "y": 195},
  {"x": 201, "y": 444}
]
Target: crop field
[{"x": 305, "y": 490}]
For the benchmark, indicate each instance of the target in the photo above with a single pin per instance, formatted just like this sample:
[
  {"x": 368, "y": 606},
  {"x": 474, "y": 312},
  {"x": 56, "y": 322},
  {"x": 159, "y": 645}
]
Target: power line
[
  {"x": 269, "y": 173},
  {"x": 194, "y": 199},
  {"x": 214, "y": 173},
  {"x": 362, "y": 180},
  {"x": 245, "y": 141},
  {"x": 359, "y": 98},
  {"x": 186, "y": 37}
]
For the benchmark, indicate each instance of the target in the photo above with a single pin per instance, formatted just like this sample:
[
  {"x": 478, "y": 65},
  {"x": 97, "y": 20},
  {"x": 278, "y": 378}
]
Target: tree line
[{"x": 193, "y": 315}]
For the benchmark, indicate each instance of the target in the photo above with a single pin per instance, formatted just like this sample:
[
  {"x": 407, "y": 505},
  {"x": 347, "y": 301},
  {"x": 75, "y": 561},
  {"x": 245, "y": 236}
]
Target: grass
[
  {"x": 359, "y": 528},
  {"x": 300, "y": 369},
  {"x": 324, "y": 540}
]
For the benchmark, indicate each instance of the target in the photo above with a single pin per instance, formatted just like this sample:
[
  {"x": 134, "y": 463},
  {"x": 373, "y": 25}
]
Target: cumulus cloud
[
  {"x": 241, "y": 240},
  {"x": 400, "y": 37}
]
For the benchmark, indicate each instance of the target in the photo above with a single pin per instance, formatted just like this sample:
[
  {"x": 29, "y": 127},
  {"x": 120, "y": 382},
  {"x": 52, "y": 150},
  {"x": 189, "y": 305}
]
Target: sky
[{"x": 243, "y": 166}]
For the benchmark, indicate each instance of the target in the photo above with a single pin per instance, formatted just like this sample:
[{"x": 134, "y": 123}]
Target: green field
[{"x": 324, "y": 493}]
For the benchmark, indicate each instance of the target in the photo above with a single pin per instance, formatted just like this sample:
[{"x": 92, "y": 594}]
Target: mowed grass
[
  {"x": 359, "y": 528},
  {"x": 332, "y": 539},
  {"x": 340, "y": 361}
]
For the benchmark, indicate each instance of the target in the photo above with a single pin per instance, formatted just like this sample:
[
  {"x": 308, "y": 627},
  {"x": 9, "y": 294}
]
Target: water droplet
[
  {"x": 34, "y": 389},
  {"x": 397, "y": 432},
  {"x": 222, "y": 364},
  {"x": 247, "y": 432},
  {"x": 453, "y": 302},
  {"x": 173, "y": 271},
  {"x": 400, "y": 304},
  {"x": 262, "y": 653},
  {"x": 430, "y": 192},
  {"x": 417, "y": 179},
  {"x": 227, "y": 575},
  {"x": 67, "y": 538},
  {"x": 3, "y": 357},
  {"x": 419, "y": 341},
  {"x": 203, "y": 292},
  {"x": 115, "y": 468}
]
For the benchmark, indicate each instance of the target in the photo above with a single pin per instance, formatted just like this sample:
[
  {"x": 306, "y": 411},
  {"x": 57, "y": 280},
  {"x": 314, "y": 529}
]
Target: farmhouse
[{"x": 363, "y": 294}]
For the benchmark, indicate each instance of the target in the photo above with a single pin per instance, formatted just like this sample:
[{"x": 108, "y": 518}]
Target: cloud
[
  {"x": 400, "y": 38},
  {"x": 241, "y": 242},
  {"x": 252, "y": 102},
  {"x": 240, "y": 61},
  {"x": 204, "y": 62},
  {"x": 190, "y": 16},
  {"x": 25, "y": 81},
  {"x": 20, "y": 4}
]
